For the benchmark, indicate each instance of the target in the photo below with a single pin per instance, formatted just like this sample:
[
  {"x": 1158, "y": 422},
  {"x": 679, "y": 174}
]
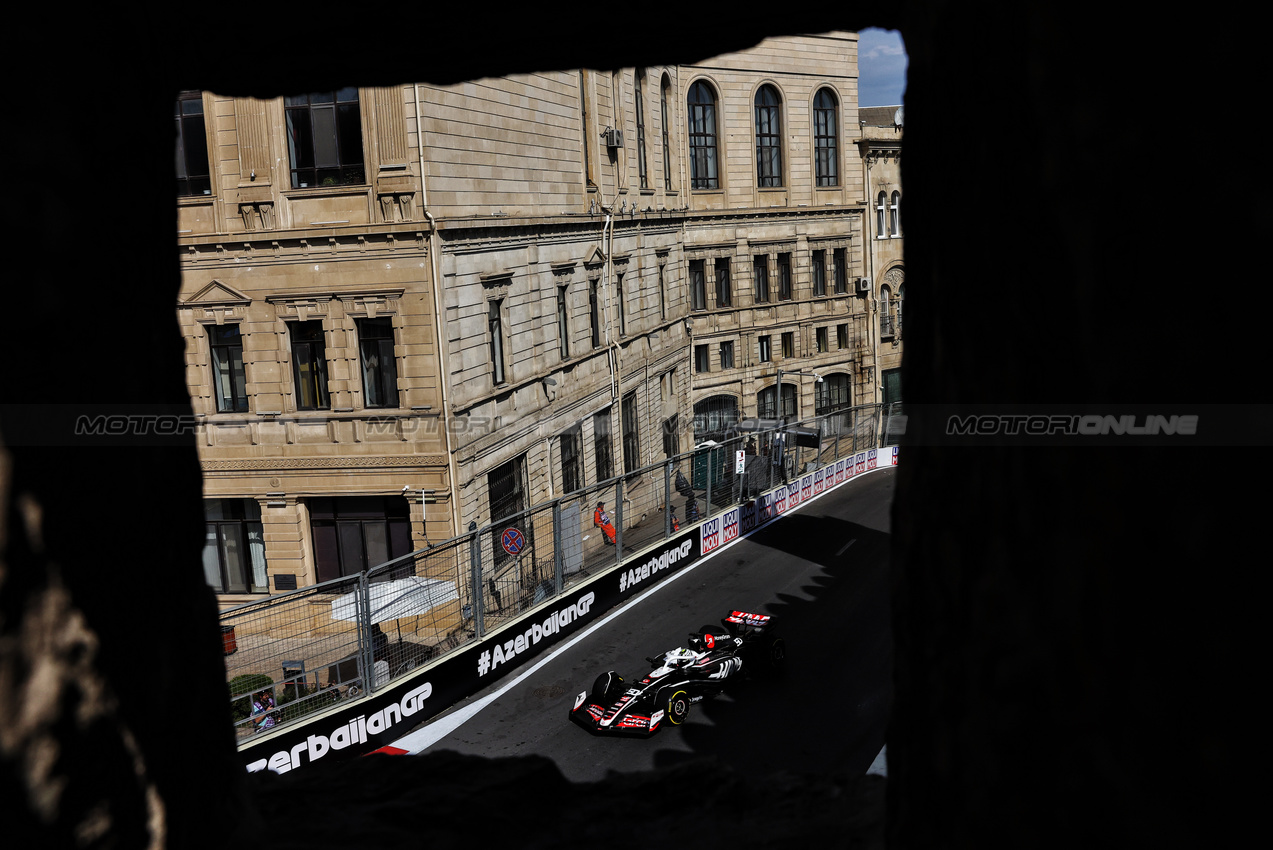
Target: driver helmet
[{"x": 678, "y": 657}]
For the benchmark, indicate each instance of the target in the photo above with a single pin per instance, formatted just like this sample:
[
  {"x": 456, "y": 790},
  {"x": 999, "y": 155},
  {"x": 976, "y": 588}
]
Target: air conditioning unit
[
  {"x": 613, "y": 137},
  {"x": 864, "y": 284}
]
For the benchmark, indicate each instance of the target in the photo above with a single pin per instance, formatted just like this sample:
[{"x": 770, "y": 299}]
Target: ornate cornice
[{"x": 285, "y": 463}]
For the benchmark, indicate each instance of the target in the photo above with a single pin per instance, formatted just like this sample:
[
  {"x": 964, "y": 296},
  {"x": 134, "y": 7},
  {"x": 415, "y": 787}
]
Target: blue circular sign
[{"x": 512, "y": 541}]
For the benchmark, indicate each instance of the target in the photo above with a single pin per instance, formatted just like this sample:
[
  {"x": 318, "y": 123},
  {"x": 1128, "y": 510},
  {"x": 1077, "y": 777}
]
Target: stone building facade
[
  {"x": 881, "y": 149},
  {"x": 416, "y": 309}
]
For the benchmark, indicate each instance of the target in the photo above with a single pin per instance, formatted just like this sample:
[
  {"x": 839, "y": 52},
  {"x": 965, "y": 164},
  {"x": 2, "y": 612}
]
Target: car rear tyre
[
  {"x": 678, "y": 707},
  {"x": 776, "y": 659}
]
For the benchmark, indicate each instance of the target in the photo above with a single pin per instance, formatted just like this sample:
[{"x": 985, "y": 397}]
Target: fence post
[
  {"x": 667, "y": 501},
  {"x": 711, "y": 462},
  {"x": 364, "y": 634},
  {"x": 618, "y": 520},
  {"x": 475, "y": 568},
  {"x": 558, "y": 577}
]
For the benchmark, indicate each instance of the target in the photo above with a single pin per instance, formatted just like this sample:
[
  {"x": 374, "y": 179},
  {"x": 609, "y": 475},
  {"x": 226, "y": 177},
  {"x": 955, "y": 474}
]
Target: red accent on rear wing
[{"x": 744, "y": 618}]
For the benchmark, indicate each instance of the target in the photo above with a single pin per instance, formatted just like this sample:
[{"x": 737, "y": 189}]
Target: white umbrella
[{"x": 391, "y": 600}]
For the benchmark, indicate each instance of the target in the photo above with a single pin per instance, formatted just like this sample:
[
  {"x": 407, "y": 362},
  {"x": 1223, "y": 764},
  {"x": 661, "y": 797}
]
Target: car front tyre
[{"x": 678, "y": 707}]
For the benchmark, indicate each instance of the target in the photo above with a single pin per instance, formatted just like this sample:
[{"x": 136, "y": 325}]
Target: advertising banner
[{"x": 367, "y": 724}]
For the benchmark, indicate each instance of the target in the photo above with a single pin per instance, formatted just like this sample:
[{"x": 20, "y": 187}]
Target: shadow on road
[{"x": 834, "y": 696}]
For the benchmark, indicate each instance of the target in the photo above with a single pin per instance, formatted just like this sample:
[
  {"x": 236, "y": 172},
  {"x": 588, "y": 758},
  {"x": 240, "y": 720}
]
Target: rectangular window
[
  {"x": 727, "y": 355},
  {"x": 618, "y": 294},
  {"x": 563, "y": 322},
  {"x": 228, "y": 376},
  {"x": 671, "y": 437},
  {"x": 662, "y": 293},
  {"x": 594, "y": 312},
  {"x": 760, "y": 275},
  {"x": 355, "y": 533},
  {"x": 234, "y": 546},
  {"x": 309, "y": 365},
  {"x": 602, "y": 450},
  {"x": 766, "y": 351},
  {"x": 702, "y": 360},
  {"x": 192, "y": 146},
  {"x": 842, "y": 336},
  {"x": 379, "y": 366},
  {"x": 724, "y": 291},
  {"x": 841, "y": 271},
  {"x": 819, "y": 265},
  {"x": 820, "y": 335},
  {"x": 631, "y": 434},
  {"x": 495, "y": 324},
  {"x": 698, "y": 286},
  {"x": 324, "y": 138},
  {"x": 789, "y": 345},
  {"x": 784, "y": 277},
  {"x": 571, "y": 459}
]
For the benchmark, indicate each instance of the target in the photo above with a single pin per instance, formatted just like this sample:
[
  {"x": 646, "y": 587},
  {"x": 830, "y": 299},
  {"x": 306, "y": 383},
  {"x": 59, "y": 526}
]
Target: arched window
[
  {"x": 664, "y": 91},
  {"x": 895, "y": 215},
  {"x": 831, "y": 394},
  {"x": 886, "y": 317},
  {"x": 826, "y": 138},
  {"x": 638, "y": 83},
  {"x": 768, "y": 137},
  {"x": 714, "y": 417},
  {"x": 901, "y": 297},
  {"x": 766, "y": 402},
  {"x": 702, "y": 120},
  {"x": 881, "y": 205}
]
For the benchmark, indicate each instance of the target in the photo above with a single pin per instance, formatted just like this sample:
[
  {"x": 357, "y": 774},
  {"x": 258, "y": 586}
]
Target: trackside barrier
[{"x": 361, "y": 688}]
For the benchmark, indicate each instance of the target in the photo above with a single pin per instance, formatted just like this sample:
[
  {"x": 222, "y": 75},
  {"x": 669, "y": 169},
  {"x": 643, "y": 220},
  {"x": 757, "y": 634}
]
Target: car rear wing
[{"x": 743, "y": 621}]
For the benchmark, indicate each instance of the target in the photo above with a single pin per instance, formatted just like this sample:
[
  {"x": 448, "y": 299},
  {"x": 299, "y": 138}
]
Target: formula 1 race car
[{"x": 714, "y": 659}]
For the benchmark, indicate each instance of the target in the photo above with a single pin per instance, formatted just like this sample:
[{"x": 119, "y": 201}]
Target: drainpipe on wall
[{"x": 438, "y": 324}]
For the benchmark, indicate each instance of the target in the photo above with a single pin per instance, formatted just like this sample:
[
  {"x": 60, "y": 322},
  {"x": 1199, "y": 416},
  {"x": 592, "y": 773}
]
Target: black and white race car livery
[{"x": 715, "y": 658}]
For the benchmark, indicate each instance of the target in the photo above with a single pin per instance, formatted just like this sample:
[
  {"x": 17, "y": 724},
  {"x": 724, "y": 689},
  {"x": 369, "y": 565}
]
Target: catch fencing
[{"x": 294, "y": 655}]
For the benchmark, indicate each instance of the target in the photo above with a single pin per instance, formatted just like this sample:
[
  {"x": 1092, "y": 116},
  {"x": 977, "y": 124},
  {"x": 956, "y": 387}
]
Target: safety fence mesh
[{"x": 292, "y": 655}]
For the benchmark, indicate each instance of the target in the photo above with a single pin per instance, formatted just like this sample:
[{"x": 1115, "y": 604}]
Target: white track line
[{"x": 425, "y": 737}]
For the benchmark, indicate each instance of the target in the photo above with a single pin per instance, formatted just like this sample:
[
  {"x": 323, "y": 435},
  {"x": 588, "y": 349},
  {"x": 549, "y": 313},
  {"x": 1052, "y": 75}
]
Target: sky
[{"x": 881, "y": 68}]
